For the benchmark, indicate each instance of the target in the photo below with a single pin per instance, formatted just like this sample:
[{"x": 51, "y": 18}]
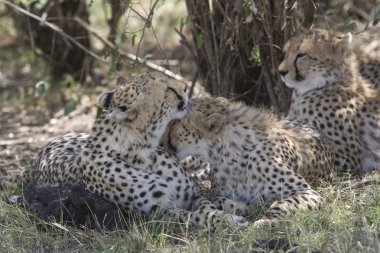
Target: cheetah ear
[
  {"x": 341, "y": 44},
  {"x": 213, "y": 123},
  {"x": 104, "y": 100},
  {"x": 120, "y": 115},
  {"x": 222, "y": 99}
]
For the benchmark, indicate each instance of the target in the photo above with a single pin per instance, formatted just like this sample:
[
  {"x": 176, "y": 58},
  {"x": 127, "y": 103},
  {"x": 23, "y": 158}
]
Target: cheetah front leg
[
  {"x": 191, "y": 163},
  {"x": 206, "y": 214},
  {"x": 200, "y": 170},
  {"x": 303, "y": 200},
  {"x": 231, "y": 206}
]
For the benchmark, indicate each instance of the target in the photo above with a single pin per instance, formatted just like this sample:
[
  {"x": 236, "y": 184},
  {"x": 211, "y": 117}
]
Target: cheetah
[
  {"x": 121, "y": 161},
  {"x": 329, "y": 93},
  {"x": 366, "y": 48},
  {"x": 254, "y": 157}
]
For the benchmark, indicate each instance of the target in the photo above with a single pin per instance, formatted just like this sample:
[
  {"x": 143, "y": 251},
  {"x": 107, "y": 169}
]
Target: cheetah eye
[
  {"x": 174, "y": 91},
  {"x": 300, "y": 55},
  {"x": 123, "y": 108}
]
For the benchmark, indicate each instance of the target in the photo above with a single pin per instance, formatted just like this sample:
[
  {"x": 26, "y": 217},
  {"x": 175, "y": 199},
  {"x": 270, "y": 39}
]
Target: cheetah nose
[{"x": 283, "y": 72}]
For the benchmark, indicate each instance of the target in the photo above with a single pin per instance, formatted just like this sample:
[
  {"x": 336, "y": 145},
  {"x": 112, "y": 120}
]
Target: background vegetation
[{"x": 53, "y": 64}]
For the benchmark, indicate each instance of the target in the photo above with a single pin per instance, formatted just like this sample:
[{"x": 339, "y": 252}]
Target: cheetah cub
[{"x": 254, "y": 157}]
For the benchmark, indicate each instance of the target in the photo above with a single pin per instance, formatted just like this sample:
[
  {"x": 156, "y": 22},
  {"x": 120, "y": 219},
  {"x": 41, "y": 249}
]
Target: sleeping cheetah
[
  {"x": 253, "y": 156},
  {"x": 121, "y": 160},
  {"x": 329, "y": 93}
]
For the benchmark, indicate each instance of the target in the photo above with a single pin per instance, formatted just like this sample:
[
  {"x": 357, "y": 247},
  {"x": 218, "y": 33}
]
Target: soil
[
  {"x": 27, "y": 123},
  {"x": 20, "y": 139}
]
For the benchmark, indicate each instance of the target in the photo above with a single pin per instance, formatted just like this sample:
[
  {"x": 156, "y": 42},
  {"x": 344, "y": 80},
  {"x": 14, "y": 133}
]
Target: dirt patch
[{"x": 20, "y": 139}]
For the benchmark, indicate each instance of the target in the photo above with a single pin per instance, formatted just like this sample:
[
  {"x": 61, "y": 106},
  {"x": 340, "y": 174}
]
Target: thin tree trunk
[
  {"x": 238, "y": 48},
  {"x": 62, "y": 55}
]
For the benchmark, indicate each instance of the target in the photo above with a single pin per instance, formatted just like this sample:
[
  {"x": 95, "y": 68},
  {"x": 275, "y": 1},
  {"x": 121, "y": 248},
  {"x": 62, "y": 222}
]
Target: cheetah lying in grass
[
  {"x": 253, "y": 156},
  {"x": 329, "y": 93},
  {"x": 121, "y": 160}
]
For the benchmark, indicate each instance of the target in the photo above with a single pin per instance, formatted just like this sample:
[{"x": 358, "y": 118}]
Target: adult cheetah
[{"x": 329, "y": 92}]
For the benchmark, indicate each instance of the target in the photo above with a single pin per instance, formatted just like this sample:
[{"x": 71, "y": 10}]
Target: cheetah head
[
  {"x": 147, "y": 103},
  {"x": 312, "y": 60},
  {"x": 195, "y": 134}
]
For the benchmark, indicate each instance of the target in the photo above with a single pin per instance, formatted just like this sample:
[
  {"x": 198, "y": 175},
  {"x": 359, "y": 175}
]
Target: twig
[
  {"x": 54, "y": 27},
  {"x": 269, "y": 87},
  {"x": 138, "y": 14},
  {"x": 126, "y": 54},
  {"x": 241, "y": 95},
  {"x": 217, "y": 57},
  {"x": 194, "y": 81},
  {"x": 147, "y": 24},
  {"x": 351, "y": 6},
  {"x": 152, "y": 11},
  {"x": 362, "y": 184},
  {"x": 96, "y": 34},
  {"x": 15, "y": 142},
  {"x": 185, "y": 42},
  {"x": 224, "y": 14}
]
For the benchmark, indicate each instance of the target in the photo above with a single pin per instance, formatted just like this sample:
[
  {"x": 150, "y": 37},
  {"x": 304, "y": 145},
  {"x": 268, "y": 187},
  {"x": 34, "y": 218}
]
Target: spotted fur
[
  {"x": 254, "y": 157},
  {"x": 366, "y": 47},
  {"x": 329, "y": 92},
  {"x": 120, "y": 159}
]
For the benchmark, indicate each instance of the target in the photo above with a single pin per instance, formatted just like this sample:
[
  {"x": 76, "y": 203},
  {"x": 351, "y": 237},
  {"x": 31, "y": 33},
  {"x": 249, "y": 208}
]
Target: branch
[
  {"x": 362, "y": 184},
  {"x": 147, "y": 24},
  {"x": 185, "y": 42},
  {"x": 109, "y": 44},
  {"x": 133, "y": 57},
  {"x": 193, "y": 83},
  {"x": 54, "y": 27},
  {"x": 351, "y": 6}
]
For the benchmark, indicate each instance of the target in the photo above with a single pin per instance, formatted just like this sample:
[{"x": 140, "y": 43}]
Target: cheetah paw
[
  {"x": 265, "y": 222},
  {"x": 15, "y": 200},
  {"x": 237, "y": 220}
]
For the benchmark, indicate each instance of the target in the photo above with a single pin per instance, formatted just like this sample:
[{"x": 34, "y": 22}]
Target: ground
[
  {"x": 19, "y": 142},
  {"x": 350, "y": 221}
]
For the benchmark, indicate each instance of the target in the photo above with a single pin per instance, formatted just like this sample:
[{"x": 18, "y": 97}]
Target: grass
[{"x": 349, "y": 222}]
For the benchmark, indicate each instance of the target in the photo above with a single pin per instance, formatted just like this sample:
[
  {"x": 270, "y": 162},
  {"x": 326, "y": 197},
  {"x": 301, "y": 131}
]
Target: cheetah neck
[
  {"x": 119, "y": 139},
  {"x": 297, "y": 94},
  {"x": 345, "y": 75},
  {"x": 107, "y": 136}
]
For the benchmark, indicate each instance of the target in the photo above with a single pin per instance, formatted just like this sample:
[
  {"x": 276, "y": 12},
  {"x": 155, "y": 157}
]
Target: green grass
[{"x": 349, "y": 222}]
